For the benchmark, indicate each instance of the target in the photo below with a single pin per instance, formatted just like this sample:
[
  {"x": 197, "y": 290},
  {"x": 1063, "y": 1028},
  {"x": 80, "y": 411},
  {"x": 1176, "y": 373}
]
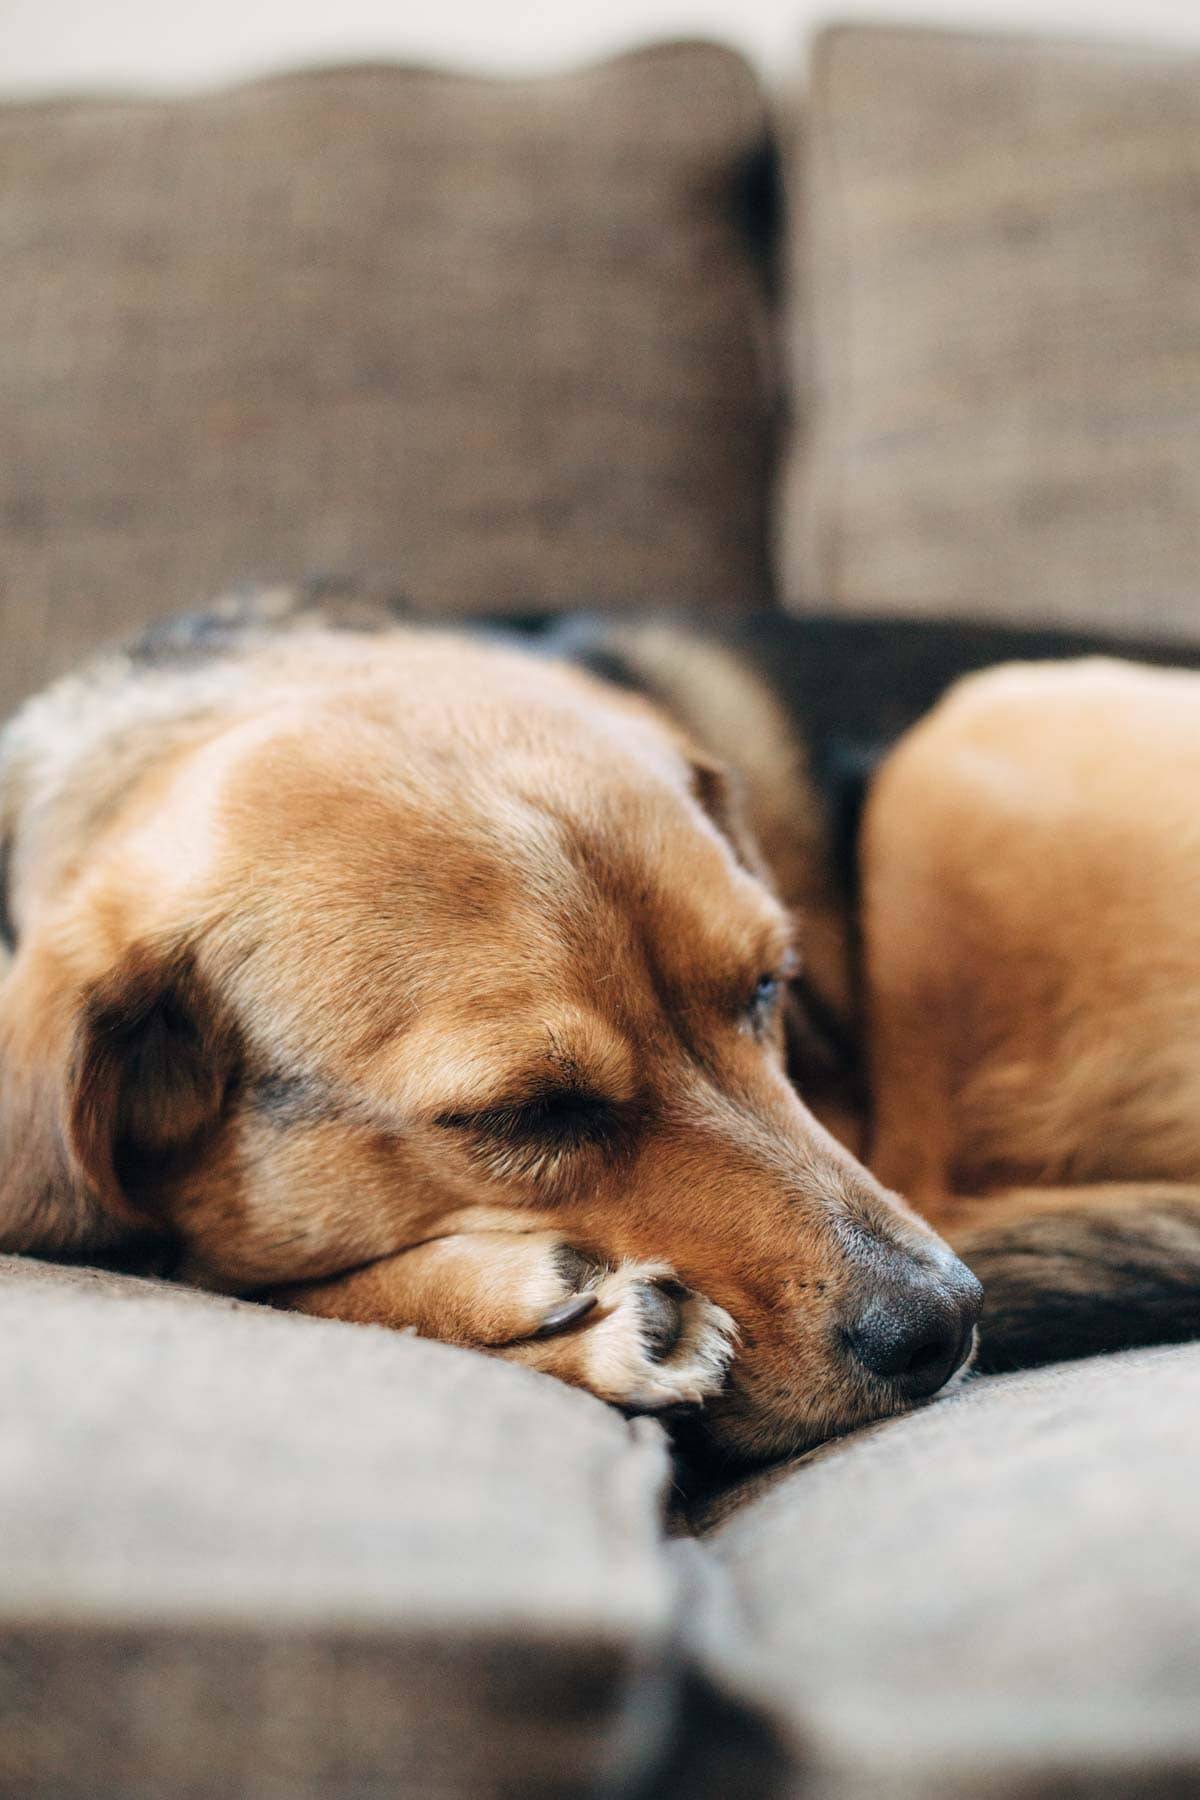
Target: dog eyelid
[{"x": 567, "y": 1118}]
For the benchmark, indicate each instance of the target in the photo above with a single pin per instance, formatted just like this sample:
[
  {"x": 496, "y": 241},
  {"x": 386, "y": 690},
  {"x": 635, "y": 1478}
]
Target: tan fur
[
  {"x": 1032, "y": 862},
  {"x": 1032, "y": 851},
  {"x": 291, "y": 923}
]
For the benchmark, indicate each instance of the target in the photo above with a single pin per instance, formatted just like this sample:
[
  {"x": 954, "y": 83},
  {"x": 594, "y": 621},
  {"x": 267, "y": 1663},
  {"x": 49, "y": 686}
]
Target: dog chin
[
  {"x": 739, "y": 1442},
  {"x": 727, "y": 1441}
]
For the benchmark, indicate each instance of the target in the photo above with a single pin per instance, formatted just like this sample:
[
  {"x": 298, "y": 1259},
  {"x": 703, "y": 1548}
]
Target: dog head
[{"x": 433, "y": 937}]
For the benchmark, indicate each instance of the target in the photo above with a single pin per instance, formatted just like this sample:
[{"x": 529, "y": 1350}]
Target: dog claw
[{"x": 564, "y": 1314}]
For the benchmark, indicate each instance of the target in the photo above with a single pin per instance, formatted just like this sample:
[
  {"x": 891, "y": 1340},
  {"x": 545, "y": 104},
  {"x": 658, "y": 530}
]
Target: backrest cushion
[
  {"x": 1002, "y": 390},
  {"x": 494, "y": 344}
]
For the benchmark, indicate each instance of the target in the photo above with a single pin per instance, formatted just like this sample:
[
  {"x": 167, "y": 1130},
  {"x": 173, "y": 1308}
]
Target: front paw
[{"x": 643, "y": 1341}]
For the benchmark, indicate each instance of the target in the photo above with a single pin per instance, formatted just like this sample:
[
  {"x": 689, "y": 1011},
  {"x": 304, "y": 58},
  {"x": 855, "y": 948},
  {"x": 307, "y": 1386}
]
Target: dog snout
[{"x": 916, "y": 1327}]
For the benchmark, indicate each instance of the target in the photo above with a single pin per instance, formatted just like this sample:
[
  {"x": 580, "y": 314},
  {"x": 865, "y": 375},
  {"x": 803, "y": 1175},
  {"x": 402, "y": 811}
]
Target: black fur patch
[
  {"x": 578, "y": 1268},
  {"x": 661, "y": 1319},
  {"x": 8, "y": 935},
  {"x": 1073, "y": 1285},
  {"x": 582, "y": 639}
]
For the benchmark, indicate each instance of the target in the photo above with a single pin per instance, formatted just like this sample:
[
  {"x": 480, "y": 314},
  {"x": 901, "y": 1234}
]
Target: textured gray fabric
[
  {"x": 999, "y": 1596},
  {"x": 492, "y": 343},
  {"x": 252, "y": 1554},
  {"x": 1002, "y": 251},
  {"x": 244, "y": 1553}
]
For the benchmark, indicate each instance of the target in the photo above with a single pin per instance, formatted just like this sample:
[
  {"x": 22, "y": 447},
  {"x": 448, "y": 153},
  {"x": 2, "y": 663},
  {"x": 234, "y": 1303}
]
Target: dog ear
[
  {"x": 150, "y": 1067},
  {"x": 108, "y": 1096},
  {"x": 719, "y": 791}
]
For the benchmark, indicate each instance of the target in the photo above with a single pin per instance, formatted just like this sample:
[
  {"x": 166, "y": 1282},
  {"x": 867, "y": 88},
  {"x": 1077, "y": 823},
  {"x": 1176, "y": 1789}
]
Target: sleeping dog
[{"x": 588, "y": 996}]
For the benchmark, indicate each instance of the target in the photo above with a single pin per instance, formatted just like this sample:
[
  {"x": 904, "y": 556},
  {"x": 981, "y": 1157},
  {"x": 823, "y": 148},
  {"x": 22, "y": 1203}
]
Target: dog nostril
[
  {"x": 925, "y": 1358},
  {"x": 915, "y": 1337}
]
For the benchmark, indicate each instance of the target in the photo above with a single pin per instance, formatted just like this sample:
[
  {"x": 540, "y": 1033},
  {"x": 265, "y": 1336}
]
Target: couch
[{"x": 922, "y": 338}]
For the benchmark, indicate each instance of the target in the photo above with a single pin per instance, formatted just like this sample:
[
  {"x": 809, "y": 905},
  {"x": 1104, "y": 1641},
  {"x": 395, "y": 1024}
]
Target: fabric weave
[
  {"x": 1000, "y": 365},
  {"x": 247, "y": 1552},
  {"x": 492, "y": 344}
]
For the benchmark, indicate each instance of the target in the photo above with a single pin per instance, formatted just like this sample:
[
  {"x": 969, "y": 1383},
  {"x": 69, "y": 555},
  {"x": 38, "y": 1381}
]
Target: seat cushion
[
  {"x": 251, "y": 1553},
  {"x": 998, "y": 1596},
  {"x": 1004, "y": 261},
  {"x": 495, "y": 344}
]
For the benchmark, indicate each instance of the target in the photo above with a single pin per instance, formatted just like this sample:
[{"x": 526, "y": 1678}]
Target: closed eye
[{"x": 560, "y": 1121}]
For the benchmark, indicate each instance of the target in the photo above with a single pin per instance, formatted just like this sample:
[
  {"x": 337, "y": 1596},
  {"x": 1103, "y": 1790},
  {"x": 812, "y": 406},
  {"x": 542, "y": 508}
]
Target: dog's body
[{"x": 433, "y": 980}]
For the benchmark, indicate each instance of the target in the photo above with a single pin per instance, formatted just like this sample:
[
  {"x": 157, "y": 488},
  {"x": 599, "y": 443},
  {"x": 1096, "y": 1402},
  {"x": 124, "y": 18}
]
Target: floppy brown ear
[
  {"x": 106, "y": 1095},
  {"x": 719, "y": 791},
  {"x": 150, "y": 1067}
]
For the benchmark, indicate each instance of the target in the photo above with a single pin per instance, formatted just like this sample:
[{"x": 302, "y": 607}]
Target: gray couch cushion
[
  {"x": 1004, "y": 255},
  {"x": 244, "y": 1553},
  {"x": 999, "y": 1596},
  {"x": 495, "y": 343}
]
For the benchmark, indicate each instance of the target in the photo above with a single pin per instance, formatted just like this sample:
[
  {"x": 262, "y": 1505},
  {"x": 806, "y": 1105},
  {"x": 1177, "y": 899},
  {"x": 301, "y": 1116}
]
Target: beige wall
[{"x": 51, "y": 44}]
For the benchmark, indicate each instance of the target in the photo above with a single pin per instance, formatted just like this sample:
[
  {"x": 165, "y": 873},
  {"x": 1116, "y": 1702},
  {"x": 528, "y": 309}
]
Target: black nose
[{"x": 916, "y": 1330}]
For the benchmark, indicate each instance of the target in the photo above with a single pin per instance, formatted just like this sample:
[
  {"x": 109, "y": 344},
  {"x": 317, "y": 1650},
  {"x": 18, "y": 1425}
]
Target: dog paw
[{"x": 639, "y": 1338}]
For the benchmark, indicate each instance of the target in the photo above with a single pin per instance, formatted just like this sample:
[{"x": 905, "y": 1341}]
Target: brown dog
[{"x": 426, "y": 980}]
